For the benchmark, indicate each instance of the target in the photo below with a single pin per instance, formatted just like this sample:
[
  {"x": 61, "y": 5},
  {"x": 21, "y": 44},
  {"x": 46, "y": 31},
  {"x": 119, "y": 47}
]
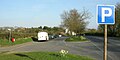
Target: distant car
[
  {"x": 80, "y": 35},
  {"x": 51, "y": 37},
  {"x": 43, "y": 36},
  {"x": 60, "y": 35},
  {"x": 56, "y": 36}
]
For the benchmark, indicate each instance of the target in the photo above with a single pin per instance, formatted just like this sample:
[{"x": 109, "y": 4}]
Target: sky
[{"x": 35, "y": 13}]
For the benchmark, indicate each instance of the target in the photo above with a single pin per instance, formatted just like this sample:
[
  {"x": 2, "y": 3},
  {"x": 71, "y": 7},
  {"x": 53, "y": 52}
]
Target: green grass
[
  {"x": 41, "y": 56},
  {"x": 17, "y": 41},
  {"x": 76, "y": 39}
]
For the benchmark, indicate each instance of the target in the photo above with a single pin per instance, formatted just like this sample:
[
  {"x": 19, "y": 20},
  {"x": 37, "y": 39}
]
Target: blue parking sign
[{"x": 106, "y": 14}]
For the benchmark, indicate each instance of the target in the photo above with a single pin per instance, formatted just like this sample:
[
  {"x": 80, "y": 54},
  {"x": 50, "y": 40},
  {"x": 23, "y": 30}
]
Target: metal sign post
[
  {"x": 9, "y": 34},
  {"x": 105, "y": 43}
]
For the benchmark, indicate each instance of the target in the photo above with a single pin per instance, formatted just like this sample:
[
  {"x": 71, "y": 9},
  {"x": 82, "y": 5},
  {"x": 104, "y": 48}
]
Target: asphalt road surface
[
  {"x": 113, "y": 46},
  {"x": 92, "y": 48}
]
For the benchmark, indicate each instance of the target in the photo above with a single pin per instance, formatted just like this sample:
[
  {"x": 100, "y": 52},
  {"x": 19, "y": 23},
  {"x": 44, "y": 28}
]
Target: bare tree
[{"x": 75, "y": 21}]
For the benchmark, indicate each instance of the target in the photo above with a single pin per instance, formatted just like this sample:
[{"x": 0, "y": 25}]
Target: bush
[
  {"x": 76, "y": 38},
  {"x": 95, "y": 34},
  {"x": 4, "y": 36},
  {"x": 18, "y": 35}
]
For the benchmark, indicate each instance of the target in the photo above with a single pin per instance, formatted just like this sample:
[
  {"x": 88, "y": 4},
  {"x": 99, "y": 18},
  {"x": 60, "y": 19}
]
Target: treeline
[
  {"x": 22, "y": 32},
  {"x": 98, "y": 32}
]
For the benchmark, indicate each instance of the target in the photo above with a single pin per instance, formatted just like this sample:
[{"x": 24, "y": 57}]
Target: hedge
[{"x": 16, "y": 35}]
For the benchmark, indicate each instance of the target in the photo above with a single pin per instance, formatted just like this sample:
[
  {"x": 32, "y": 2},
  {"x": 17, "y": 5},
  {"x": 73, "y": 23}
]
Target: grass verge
[
  {"x": 4, "y": 43},
  {"x": 76, "y": 39},
  {"x": 41, "y": 56}
]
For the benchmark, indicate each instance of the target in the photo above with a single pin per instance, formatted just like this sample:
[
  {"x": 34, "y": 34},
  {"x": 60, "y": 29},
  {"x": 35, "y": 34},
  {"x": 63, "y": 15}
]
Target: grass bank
[
  {"x": 41, "y": 56},
  {"x": 76, "y": 39},
  {"x": 4, "y": 43}
]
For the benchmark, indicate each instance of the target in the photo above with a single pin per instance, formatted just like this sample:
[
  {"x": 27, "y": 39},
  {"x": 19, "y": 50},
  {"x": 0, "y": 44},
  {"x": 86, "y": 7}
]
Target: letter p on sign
[{"x": 105, "y": 14}]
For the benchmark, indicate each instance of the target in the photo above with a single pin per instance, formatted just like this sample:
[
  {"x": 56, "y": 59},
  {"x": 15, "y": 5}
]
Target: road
[
  {"x": 113, "y": 46},
  {"x": 92, "y": 48}
]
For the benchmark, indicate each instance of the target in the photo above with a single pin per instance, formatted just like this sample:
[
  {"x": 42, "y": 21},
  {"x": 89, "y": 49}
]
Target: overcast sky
[{"x": 34, "y": 13}]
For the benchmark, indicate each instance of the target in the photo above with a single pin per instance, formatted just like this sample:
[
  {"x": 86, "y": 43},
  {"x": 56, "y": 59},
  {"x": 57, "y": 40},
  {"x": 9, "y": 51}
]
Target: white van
[{"x": 43, "y": 36}]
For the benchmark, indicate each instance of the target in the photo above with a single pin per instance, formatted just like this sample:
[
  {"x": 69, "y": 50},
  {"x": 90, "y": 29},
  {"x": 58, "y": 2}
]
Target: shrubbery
[
  {"x": 18, "y": 35},
  {"x": 76, "y": 38},
  {"x": 101, "y": 34},
  {"x": 95, "y": 34}
]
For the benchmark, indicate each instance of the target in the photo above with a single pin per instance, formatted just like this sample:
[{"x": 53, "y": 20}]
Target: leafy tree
[
  {"x": 101, "y": 28},
  {"x": 75, "y": 21},
  {"x": 57, "y": 30},
  {"x": 40, "y": 27},
  {"x": 46, "y": 28},
  {"x": 117, "y": 18},
  {"x": 91, "y": 30}
]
